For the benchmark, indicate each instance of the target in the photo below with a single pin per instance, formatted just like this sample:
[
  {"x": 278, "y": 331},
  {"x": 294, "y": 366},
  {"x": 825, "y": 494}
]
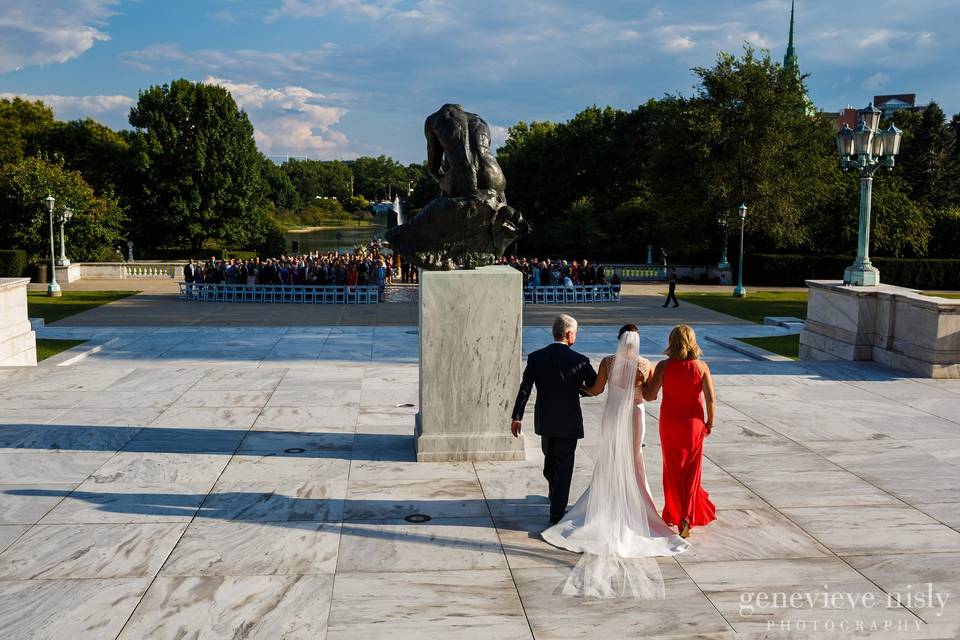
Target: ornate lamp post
[
  {"x": 53, "y": 289},
  {"x": 62, "y": 220},
  {"x": 739, "y": 291},
  {"x": 866, "y": 148},
  {"x": 724, "y": 263}
]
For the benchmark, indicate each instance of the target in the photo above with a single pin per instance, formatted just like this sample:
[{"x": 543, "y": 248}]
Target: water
[{"x": 325, "y": 240}]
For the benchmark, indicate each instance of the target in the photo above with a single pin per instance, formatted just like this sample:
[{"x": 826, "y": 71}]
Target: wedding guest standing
[{"x": 687, "y": 387}]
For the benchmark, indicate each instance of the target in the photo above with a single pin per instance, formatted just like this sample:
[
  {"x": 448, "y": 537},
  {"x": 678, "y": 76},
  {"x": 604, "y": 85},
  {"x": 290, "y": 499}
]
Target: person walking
[
  {"x": 672, "y": 292},
  {"x": 560, "y": 375},
  {"x": 687, "y": 389}
]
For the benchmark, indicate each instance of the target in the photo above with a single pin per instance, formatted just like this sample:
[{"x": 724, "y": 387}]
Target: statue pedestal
[
  {"x": 470, "y": 364},
  {"x": 18, "y": 342},
  {"x": 891, "y": 325}
]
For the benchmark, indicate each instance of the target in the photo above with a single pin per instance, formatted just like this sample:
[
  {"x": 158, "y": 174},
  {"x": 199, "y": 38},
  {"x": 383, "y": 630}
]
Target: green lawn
[
  {"x": 71, "y": 302},
  {"x": 47, "y": 347},
  {"x": 941, "y": 295},
  {"x": 754, "y": 306},
  {"x": 788, "y": 345}
]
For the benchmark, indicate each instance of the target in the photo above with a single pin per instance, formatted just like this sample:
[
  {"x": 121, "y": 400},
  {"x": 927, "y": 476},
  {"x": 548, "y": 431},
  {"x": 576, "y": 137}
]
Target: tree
[
  {"x": 281, "y": 191},
  {"x": 376, "y": 178},
  {"x": 22, "y": 124},
  {"x": 312, "y": 178},
  {"x": 91, "y": 235},
  {"x": 200, "y": 170},
  {"x": 99, "y": 153}
]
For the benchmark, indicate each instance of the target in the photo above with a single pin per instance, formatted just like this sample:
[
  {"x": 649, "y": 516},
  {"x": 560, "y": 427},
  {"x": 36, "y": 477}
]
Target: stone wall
[
  {"x": 18, "y": 342},
  {"x": 895, "y": 326}
]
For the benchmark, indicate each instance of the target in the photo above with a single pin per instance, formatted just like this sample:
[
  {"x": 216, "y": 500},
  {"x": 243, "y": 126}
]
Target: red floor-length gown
[{"x": 682, "y": 431}]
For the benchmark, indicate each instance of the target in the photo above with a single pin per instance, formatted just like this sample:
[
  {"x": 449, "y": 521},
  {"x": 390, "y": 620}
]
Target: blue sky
[{"x": 341, "y": 78}]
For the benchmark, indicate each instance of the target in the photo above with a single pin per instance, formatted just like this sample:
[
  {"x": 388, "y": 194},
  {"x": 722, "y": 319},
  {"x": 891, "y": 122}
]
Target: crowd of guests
[
  {"x": 313, "y": 269},
  {"x": 560, "y": 273}
]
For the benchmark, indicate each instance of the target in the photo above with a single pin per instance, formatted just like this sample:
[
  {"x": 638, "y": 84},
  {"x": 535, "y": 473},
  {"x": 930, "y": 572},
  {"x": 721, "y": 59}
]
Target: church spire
[{"x": 790, "y": 59}]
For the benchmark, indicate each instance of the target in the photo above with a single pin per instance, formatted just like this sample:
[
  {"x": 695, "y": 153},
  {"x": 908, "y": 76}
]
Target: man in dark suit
[{"x": 559, "y": 374}]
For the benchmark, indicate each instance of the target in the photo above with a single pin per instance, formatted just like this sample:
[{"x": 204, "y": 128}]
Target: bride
[{"x": 615, "y": 524}]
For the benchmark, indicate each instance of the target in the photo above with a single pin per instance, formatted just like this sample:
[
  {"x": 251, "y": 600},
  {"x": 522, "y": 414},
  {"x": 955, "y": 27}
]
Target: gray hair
[{"x": 562, "y": 324}]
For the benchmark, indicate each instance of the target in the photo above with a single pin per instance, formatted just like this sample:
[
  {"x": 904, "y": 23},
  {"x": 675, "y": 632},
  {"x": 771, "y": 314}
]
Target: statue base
[
  {"x": 470, "y": 364},
  {"x": 451, "y": 233}
]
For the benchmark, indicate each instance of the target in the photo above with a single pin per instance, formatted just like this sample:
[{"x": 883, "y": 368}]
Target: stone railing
[
  {"x": 127, "y": 270},
  {"x": 659, "y": 273}
]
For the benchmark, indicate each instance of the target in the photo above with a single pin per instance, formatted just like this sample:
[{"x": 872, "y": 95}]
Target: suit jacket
[{"x": 558, "y": 373}]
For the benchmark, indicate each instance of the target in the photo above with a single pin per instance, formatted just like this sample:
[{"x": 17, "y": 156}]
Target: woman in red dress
[{"x": 686, "y": 384}]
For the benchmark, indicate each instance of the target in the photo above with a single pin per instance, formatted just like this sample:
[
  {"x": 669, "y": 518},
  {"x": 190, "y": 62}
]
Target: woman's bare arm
[
  {"x": 600, "y": 384},
  {"x": 709, "y": 396},
  {"x": 652, "y": 388}
]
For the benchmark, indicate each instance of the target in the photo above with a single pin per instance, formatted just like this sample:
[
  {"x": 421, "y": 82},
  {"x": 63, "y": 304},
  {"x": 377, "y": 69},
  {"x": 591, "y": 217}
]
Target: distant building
[
  {"x": 898, "y": 102},
  {"x": 888, "y": 104}
]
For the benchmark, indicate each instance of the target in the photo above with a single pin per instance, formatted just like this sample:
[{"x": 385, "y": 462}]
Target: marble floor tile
[
  {"x": 315, "y": 442},
  {"x": 750, "y": 534},
  {"x": 946, "y": 512},
  {"x": 219, "y": 378},
  {"x": 255, "y": 607},
  {"x": 237, "y": 548},
  {"x": 75, "y": 609},
  {"x": 223, "y": 398},
  {"x": 313, "y": 396},
  {"x": 159, "y": 468},
  {"x": 789, "y": 457},
  {"x": 114, "y": 417},
  {"x": 384, "y": 447},
  {"x": 9, "y": 534},
  {"x": 276, "y": 501},
  {"x": 524, "y": 546},
  {"x": 874, "y": 529},
  {"x": 684, "y": 611},
  {"x": 323, "y": 417},
  {"x": 520, "y": 489},
  {"x": 28, "y": 509},
  {"x": 38, "y": 439},
  {"x": 437, "y": 498},
  {"x": 926, "y": 583},
  {"x": 814, "y": 488},
  {"x": 285, "y": 467},
  {"x": 442, "y": 544},
  {"x": 392, "y": 470},
  {"x": 121, "y": 503},
  {"x": 172, "y": 440},
  {"x": 50, "y": 468},
  {"x": 89, "y": 551},
  {"x": 207, "y": 417},
  {"x": 454, "y": 605}
]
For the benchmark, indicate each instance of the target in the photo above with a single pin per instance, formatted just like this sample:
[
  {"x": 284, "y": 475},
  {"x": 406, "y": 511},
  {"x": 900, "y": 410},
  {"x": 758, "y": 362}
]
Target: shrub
[{"x": 13, "y": 263}]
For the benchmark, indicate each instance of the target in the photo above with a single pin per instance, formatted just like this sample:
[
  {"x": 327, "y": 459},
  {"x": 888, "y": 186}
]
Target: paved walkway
[
  {"x": 253, "y": 482},
  {"x": 640, "y": 304}
]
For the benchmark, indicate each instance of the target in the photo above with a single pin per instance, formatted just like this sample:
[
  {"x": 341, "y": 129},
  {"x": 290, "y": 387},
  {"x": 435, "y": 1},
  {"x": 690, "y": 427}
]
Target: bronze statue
[{"x": 470, "y": 225}]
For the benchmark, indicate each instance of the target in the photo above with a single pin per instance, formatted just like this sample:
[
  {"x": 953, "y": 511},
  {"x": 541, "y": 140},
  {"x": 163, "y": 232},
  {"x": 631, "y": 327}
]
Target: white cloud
[
  {"x": 370, "y": 9},
  {"x": 39, "y": 32},
  {"x": 876, "y": 82},
  {"x": 72, "y": 107},
  {"x": 290, "y": 120}
]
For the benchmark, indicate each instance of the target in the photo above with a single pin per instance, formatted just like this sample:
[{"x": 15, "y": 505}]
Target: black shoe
[
  {"x": 675, "y": 306},
  {"x": 664, "y": 306},
  {"x": 554, "y": 521}
]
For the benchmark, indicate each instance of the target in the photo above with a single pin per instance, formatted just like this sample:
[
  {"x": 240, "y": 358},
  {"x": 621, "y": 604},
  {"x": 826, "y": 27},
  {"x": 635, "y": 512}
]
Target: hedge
[
  {"x": 13, "y": 263},
  {"x": 793, "y": 270}
]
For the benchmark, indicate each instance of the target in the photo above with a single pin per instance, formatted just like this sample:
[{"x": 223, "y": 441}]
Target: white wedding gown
[{"x": 615, "y": 524}]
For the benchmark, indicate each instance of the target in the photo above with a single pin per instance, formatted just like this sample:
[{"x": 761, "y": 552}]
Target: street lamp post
[
  {"x": 739, "y": 291},
  {"x": 866, "y": 148},
  {"x": 62, "y": 220},
  {"x": 724, "y": 263},
  {"x": 53, "y": 289},
  {"x": 338, "y": 235}
]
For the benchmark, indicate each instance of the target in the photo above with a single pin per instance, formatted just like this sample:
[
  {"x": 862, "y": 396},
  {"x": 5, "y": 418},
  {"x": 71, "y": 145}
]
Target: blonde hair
[{"x": 682, "y": 344}]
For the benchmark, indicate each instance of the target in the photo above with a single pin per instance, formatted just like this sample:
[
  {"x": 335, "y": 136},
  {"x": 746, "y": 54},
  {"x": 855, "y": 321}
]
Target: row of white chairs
[
  {"x": 577, "y": 294},
  {"x": 280, "y": 293}
]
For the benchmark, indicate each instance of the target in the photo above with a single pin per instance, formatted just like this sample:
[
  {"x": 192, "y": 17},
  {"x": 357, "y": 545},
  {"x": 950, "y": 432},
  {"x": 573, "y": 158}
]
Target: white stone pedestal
[
  {"x": 69, "y": 273},
  {"x": 892, "y": 325},
  {"x": 470, "y": 364},
  {"x": 18, "y": 342}
]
